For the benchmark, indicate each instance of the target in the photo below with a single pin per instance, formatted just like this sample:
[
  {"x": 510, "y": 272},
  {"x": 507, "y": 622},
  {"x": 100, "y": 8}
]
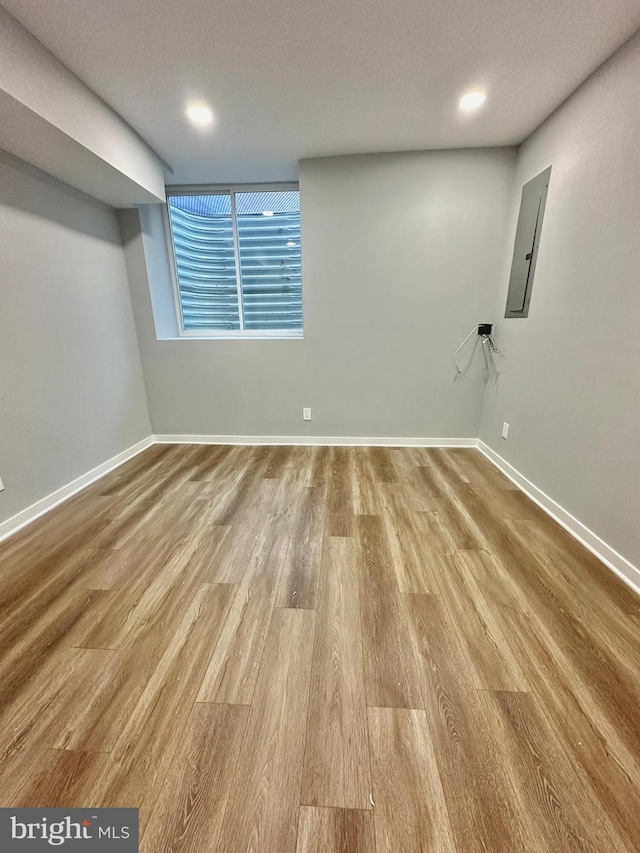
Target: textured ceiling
[{"x": 299, "y": 78}]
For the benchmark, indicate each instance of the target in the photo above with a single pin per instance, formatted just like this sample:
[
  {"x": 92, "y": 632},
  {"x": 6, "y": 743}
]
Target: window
[{"x": 237, "y": 261}]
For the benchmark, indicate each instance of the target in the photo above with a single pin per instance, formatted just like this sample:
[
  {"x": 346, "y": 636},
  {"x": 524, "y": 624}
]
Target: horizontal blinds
[
  {"x": 205, "y": 262},
  {"x": 270, "y": 265}
]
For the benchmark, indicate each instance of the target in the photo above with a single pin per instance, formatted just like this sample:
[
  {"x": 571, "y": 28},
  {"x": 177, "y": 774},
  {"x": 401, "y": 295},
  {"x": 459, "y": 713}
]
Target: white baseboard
[
  {"x": 16, "y": 522},
  {"x": 316, "y": 440},
  {"x": 610, "y": 557}
]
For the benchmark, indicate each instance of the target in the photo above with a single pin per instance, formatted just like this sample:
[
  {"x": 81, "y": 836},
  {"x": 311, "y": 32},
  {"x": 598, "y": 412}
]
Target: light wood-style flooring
[{"x": 313, "y": 650}]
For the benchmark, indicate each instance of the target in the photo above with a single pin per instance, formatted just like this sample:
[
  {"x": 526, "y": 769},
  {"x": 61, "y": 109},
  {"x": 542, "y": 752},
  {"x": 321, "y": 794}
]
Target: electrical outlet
[
  {"x": 306, "y": 414},
  {"x": 505, "y": 430}
]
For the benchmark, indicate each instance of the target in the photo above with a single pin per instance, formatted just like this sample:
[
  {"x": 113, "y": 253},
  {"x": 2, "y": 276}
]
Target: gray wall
[
  {"x": 401, "y": 257},
  {"x": 570, "y": 383},
  {"x": 51, "y": 119},
  {"x": 71, "y": 386}
]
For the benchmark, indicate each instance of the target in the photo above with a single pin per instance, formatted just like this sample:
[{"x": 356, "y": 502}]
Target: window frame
[{"x": 220, "y": 334}]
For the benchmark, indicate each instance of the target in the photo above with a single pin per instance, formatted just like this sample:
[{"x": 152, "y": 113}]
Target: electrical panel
[{"x": 525, "y": 250}]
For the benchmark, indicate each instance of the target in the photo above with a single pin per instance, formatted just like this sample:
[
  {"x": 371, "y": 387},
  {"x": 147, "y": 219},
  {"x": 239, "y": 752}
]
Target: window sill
[{"x": 234, "y": 337}]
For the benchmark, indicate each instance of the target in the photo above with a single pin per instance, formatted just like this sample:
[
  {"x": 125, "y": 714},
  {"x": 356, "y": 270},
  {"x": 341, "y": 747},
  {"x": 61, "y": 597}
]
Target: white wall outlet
[
  {"x": 306, "y": 414},
  {"x": 505, "y": 430}
]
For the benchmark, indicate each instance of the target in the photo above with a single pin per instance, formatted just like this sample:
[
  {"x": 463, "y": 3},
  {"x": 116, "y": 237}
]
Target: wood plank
[
  {"x": 118, "y": 618},
  {"x": 190, "y": 807},
  {"x": 594, "y": 660},
  {"x": 138, "y": 516},
  {"x": 391, "y": 676},
  {"x": 143, "y": 752},
  {"x": 208, "y": 460},
  {"x": 226, "y": 555},
  {"x": 448, "y": 464},
  {"x": 417, "y": 554},
  {"x": 339, "y": 518},
  {"x": 262, "y": 811},
  {"x": 335, "y": 831},
  {"x": 121, "y": 569},
  {"x": 256, "y": 503},
  {"x": 408, "y": 483},
  {"x": 475, "y": 773},
  {"x": 299, "y": 582},
  {"x": 38, "y": 641},
  {"x": 222, "y": 470},
  {"x": 64, "y": 684},
  {"x": 319, "y": 471},
  {"x": 276, "y": 462},
  {"x": 580, "y": 572},
  {"x": 458, "y": 525},
  {"x": 140, "y": 468},
  {"x": 381, "y": 464},
  {"x": 562, "y": 812},
  {"x": 485, "y": 645},
  {"x": 246, "y": 490},
  {"x": 98, "y": 721},
  {"x": 364, "y": 485},
  {"x": 209, "y": 545},
  {"x": 233, "y": 670},
  {"x": 38, "y": 718},
  {"x": 336, "y": 765},
  {"x": 58, "y": 780},
  {"x": 584, "y": 711},
  {"x": 588, "y": 734},
  {"x": 298, "y": 468},
  {"x": 479, "y": 471},
  {"x": 186, "y": 510},
  {"x": 410, "y": 812}
]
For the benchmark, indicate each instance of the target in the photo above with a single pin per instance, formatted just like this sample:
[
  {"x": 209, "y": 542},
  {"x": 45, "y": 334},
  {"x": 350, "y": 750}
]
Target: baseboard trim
[
  {"x": 44, "y": 505},
  {"x": 625, "y": 570},
  {"x": 315, "y": 440}
]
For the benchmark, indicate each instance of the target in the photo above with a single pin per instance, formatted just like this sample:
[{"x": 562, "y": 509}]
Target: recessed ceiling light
[
  {"x": 267, "y": 212},
  {"x": 472, "y": 100},
  {"x": 199, "y": 115}
]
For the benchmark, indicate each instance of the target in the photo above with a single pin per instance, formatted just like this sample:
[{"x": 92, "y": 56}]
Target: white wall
[
  {"x": 71, "y": 388},
  {"x": 401, "y": 254},
  {"x": 570, "y": 383}
]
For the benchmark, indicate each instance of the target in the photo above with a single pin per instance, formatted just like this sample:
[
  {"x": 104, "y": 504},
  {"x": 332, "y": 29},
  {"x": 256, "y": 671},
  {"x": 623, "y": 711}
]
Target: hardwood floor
[{"x": 320, "y": 650}]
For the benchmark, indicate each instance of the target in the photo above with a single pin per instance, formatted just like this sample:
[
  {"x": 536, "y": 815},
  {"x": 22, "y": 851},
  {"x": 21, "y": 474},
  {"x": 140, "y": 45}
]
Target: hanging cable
[
  {"x": 457, "y": 353},
  {"x": 493, "y": 347},
  {"x": 484, "y": 331}
]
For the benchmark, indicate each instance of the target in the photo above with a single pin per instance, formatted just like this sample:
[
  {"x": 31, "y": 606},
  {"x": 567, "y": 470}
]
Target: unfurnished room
[{"x": 320, "y": 426}]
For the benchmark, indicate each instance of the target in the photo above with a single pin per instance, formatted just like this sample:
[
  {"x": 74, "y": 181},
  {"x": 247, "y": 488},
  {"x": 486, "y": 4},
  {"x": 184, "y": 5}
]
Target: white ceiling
[{"x": 300, "y": 78}]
